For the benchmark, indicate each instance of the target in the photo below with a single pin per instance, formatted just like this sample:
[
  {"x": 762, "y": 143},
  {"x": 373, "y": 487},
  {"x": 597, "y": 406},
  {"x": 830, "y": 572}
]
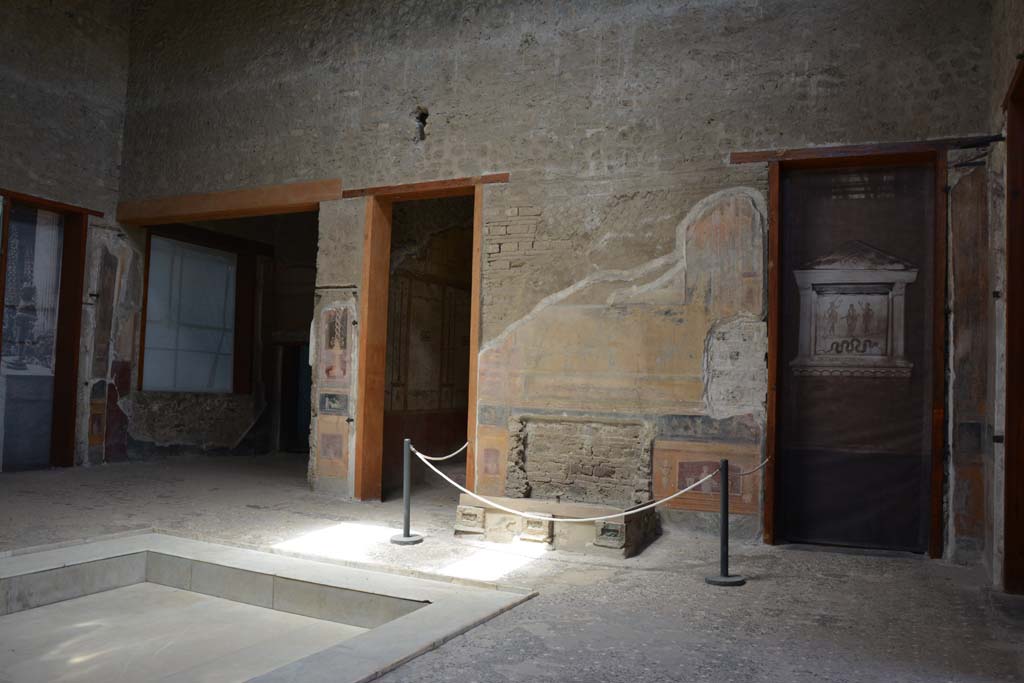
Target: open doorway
[
  {"x": 227, "y": 313},
  {"x": 857, "y": 376},
  {"x": 426, "y": 391},
  {"x": 372, "y": 377}
]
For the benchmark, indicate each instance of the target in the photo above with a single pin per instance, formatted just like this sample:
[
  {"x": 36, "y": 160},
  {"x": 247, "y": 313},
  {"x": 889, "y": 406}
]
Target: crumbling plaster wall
[
  {"x": 63, "y": 82},
  {"x": 614, "y": 120}
]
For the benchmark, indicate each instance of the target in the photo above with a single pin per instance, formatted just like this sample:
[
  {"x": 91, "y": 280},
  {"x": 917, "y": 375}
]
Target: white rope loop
[
  {"x": 756, "y": 469},
  {"x": 424, "y": 456},
  {"x": 578, "y": 520},
  {"x": 528, "y": 515}
]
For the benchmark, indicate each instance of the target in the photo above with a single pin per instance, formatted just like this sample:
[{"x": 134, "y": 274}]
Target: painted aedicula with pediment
[{"x": 852, "y": 320}]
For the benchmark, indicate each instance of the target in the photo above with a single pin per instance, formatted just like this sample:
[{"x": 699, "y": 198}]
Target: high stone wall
[
  {"x": 63, "y": 81},
  {"x": 615, "y": 121}
]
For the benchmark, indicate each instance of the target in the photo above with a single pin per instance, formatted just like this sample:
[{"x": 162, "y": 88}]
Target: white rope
[
  {"x": 444, "y": 457},
  {"x": 528, "y": 515},
  {"x": 756, "y": 469}
]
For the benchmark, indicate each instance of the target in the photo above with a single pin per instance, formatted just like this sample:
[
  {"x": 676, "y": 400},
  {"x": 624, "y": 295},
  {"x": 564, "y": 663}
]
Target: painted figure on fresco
[
  {"x": 851, "y": 321},
  {"x": 833, "y": 317},
  {"x": 335, "y": 351},
  {"x": 868, "y": 316}
]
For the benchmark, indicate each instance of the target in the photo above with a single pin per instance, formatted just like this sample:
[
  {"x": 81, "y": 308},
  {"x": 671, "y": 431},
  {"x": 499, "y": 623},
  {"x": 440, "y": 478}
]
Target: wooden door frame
[
  {"x": 855, "y": 157},
  {"x": 64, "y": 421},
  {"x": 258, "y": 201},
  {"x": 271, "y": 200},
  {"x": 373, "y": 319},
  {"x": 1013, "y": 438}
]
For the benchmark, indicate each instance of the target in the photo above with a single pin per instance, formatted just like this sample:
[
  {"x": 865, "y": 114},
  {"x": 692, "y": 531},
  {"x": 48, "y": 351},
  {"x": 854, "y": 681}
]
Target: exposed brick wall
[
  {"x": 580, "y": 461},
  {"x": 513, "y": 237}
]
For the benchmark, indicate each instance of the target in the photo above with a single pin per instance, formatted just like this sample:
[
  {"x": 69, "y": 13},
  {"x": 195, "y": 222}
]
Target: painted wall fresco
[{"x": 647, "y": 342}]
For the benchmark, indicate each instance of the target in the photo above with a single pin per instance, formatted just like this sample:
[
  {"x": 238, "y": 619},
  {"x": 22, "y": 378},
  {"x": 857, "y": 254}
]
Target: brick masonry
[
  {"x": 513, "y": 237},
  {"x": 580, "y": 461}
]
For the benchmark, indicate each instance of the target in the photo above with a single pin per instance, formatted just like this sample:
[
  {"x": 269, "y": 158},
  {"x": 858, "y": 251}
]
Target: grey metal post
[
  {"x": 406, "y": 538},
  {"x": 723, "y": 578}
]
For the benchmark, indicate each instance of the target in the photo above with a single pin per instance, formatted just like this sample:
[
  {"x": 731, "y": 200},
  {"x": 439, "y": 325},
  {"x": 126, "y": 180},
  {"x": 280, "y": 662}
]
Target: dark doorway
[
  {"x": 296, "y": 376},
  {"x": 428, "y": 332},
  {"x": 855, "y": 364}
]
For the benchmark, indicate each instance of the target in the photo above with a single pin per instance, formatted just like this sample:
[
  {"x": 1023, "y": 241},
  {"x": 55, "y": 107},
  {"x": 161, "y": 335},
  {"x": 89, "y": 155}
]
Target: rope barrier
[
  {"x": 578, "y": 520},
  {"x": 755, "y": 469},
  {"x": 444, "y": 457},
  {"x": 527, "y": 515},
  {"x": 724, "y": 578}
]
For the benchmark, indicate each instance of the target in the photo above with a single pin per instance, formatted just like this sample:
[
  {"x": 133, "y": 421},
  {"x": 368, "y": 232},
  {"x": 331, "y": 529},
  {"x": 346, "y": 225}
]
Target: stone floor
[{"x": 805, "y": 615}]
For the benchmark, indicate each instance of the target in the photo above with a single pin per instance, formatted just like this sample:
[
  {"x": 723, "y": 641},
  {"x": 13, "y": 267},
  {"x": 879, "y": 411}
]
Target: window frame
[{"x": 246, "y": 254}]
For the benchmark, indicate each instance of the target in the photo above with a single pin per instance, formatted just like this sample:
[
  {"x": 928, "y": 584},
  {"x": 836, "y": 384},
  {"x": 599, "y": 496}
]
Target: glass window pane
[
  {"x": 160, "y": 335},
  {"x": 205, "y": 288},
  {"x": 190, "y": 318},
  {"x": 224, "y": 373},
  {"x": 199, "y": 339},
  {"x": 161, "y": 263},
  {"x": 195, "y": 372},
  {"x": 159, "y": 370}
]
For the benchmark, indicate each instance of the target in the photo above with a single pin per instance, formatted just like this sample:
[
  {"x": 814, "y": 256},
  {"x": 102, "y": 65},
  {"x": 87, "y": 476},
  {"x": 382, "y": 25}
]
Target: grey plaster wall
[
  {"x": 1007, "y": 31},
  {"x": 63, "y": 80},
  {"x": 63, "y": 83},
  {"x": 240, "y": 93},
  {"x": 614, "y": 118}
]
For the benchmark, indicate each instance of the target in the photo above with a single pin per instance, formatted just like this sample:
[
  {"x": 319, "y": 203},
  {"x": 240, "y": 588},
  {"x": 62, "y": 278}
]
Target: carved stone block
[
  {"x": 537, "y": 530},
  {"x": 609, "y": 534},
  {"x": 469, "y": 519}
]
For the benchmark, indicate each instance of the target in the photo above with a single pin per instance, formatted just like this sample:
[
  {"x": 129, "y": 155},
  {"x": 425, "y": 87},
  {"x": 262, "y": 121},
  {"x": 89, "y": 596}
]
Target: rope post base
[
  {"x": 723, "y": 578},
  {"x": 411, "y": 539},
  {"x": 406, "y": 538}
]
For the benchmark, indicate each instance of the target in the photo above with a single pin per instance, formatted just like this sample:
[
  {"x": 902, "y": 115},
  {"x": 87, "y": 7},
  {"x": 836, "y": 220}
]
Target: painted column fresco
[{"x": 333, "y": 349}]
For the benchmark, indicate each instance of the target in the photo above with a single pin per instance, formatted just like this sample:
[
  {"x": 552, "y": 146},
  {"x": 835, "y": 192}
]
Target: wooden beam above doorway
[
  {"x": 841, "y": 151},
  {"x": 48, "y": 204},
  {"x": 257, "y": 201},
  {"x": 431, "y": 189}
]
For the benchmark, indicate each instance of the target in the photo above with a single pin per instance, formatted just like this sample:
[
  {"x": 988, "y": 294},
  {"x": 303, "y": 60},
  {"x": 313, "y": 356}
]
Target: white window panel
[
  {"x": 190, "y": 318},
  {"x": 159, "y": 370}
]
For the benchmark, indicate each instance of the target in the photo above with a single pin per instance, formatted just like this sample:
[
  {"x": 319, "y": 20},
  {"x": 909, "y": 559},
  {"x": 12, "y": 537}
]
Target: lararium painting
[
  {"x": 852, "y": 314},
  {"x": 334, "y": 352}
]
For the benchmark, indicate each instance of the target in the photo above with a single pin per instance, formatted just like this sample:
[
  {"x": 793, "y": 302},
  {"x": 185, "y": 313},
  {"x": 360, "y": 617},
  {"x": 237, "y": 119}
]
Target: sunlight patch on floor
[
  {"x": 350, "y": 541},
  {"x": 491, "y": 565}
]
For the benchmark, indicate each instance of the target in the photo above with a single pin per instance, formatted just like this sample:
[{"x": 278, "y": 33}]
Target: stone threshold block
[{"x": 617, "y": 537}]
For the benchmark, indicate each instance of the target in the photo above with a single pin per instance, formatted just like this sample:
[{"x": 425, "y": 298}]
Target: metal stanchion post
[
  {"x": 406, "y": 538},
  {"x": 723, "y": 578}
]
